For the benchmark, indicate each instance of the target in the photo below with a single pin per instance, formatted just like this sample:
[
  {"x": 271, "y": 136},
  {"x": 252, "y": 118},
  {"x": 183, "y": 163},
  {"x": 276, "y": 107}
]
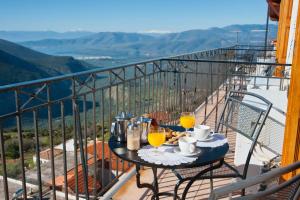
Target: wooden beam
[
  {"x": 283, "y": 34},
  {"x": 283, "y": 29},
  {"x": 291, "y": 144}
]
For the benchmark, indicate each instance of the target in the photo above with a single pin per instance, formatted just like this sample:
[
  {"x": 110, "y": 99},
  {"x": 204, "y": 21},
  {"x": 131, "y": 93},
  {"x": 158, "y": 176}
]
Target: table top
[{"x": 207, "y": 155}]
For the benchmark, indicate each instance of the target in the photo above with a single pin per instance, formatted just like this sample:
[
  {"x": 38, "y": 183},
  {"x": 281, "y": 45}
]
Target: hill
[
  {"x": 14, "y": 69},
  {"x": 19, "y": 63},
  {"x": 143, "y": 45}
]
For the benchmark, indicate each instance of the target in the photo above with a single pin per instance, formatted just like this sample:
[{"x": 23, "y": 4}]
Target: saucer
[
  {"x": 177, "y": 150},
  {"x": 209, "y": 137}
]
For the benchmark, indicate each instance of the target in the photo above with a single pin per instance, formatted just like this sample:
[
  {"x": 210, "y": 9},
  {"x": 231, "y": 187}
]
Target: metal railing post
[
  {"x": 20, "y": 139},
  {"x": 81, "y": 150},
  {"x": 50, "y": 129},
  {"x": 185, "y": 91},
  {"x": 37, "y": 153},
  {"x": 102, "y": 133},
  {"x": 211, "y": 83},
  {"x": 3, "y": 159},
  {"x": 110, "y": 115},
  {"x": 63, "y": 130},
  {"x": 75, "y": 138},
  {"x": 164, "y": 90},
  {"x": 205, "y": 110}
]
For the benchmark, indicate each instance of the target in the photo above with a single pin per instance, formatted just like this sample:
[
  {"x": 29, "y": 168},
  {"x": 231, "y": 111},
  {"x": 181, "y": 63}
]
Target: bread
[{"x": 172, "y": 137}]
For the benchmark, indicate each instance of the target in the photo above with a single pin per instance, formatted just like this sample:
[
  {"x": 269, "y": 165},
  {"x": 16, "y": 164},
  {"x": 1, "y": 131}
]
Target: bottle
[{"x": 133, "y": 137}]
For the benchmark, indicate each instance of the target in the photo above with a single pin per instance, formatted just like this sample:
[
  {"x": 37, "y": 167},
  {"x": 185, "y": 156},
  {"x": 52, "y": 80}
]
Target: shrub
[
  {"x": 6, "y": 137},
  {"x": 13, "y": 169},
  {"x": 28, "y": 144},
  {"x": 12, "y": 149},
  {"x": 28, "y": 135}
]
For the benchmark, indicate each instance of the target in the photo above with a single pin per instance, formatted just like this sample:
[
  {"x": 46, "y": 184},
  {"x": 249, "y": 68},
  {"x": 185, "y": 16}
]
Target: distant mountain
[
  {"x": 19, "y": 36},
  {"x": 19, "y": 63},
  {"x": 117, "y": 44},
  {"x": 104, "y": 43}
]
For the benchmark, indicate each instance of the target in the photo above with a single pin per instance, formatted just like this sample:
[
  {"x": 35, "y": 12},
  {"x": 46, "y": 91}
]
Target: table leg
[
  {"x": 154, "y": 186},
  {"x": 138, "y": 180}
]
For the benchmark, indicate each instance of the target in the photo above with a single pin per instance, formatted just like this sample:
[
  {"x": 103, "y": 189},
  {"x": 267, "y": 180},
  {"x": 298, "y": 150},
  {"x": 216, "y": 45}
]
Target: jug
[
  {"x": 119, "y": 126},
  {"x": 144, "y": 126}
]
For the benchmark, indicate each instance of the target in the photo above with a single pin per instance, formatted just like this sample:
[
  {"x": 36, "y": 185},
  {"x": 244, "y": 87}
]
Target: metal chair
[
  {"x": 283, "y": 190},
  {"x": 244, "y": 113}
]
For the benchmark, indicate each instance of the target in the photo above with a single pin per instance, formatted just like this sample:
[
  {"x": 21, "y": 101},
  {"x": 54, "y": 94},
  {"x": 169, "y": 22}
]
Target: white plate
[{"x": 177, "y": 150}]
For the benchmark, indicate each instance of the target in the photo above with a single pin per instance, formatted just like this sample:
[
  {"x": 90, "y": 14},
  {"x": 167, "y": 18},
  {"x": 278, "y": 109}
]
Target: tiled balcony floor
[{"x": 167, "y": 180}]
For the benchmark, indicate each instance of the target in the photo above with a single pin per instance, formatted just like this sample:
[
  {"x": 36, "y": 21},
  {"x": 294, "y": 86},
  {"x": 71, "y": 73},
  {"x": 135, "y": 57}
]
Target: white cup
[
  {"x": 187, "y": 144},
  {"x": 201, "y": 132}
]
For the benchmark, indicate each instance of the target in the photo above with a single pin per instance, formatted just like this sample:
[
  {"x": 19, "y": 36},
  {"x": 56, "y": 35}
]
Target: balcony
[{"x": 43, "y": 125}]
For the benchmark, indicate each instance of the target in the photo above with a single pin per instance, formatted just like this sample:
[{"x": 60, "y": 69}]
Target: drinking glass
[
  {"x": 187, "y": 120},
  {"x": 156, "y": 137}
]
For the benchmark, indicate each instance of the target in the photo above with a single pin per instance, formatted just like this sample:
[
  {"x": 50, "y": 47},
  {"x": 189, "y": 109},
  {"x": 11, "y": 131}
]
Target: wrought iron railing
[{"x": 38, "y": 118}]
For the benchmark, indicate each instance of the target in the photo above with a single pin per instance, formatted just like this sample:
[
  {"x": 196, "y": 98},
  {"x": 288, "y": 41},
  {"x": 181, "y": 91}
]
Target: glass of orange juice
[
  {"x": 187, "y": 120},
  {"x": 156, "y": 137}
]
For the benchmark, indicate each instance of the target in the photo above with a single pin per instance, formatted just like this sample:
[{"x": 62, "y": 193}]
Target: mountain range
[
  {"x": 129, "y": 45},
  {"x": 19, "y": 36},
  {"x": 29, "y": 60}
]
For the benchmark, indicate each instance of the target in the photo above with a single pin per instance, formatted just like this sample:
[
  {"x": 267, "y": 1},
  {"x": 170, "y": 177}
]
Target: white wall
[{"x": 291, "y": 41}]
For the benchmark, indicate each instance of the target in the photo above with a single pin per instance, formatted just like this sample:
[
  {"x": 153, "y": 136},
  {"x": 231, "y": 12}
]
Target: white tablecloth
[{"x": 168, "y": 157}]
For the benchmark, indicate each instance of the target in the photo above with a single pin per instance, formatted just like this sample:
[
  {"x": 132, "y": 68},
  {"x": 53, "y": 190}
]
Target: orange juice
[
  {"x": 156, "y": 139},
  {"x": 187, "y": 121}
]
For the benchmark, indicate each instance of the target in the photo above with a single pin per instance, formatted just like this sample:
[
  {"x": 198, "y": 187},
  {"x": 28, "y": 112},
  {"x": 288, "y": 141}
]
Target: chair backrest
[
  {"x": 244, "y": 113},
  {"x": 288, "y": 190}
]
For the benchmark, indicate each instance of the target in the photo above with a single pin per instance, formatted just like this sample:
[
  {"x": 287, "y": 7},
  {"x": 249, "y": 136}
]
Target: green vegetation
[
  {"x": 13, "y": 169},
  {"x": 12, "y": 152},
  {"x": 12, "y": 149}
]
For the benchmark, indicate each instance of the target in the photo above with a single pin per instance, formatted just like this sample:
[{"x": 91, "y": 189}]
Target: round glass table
[{"x": 211, "y": 157}]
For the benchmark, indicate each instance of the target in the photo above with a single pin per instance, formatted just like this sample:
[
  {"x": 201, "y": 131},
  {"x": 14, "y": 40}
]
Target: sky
[{"x": 128, "y": 15}]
